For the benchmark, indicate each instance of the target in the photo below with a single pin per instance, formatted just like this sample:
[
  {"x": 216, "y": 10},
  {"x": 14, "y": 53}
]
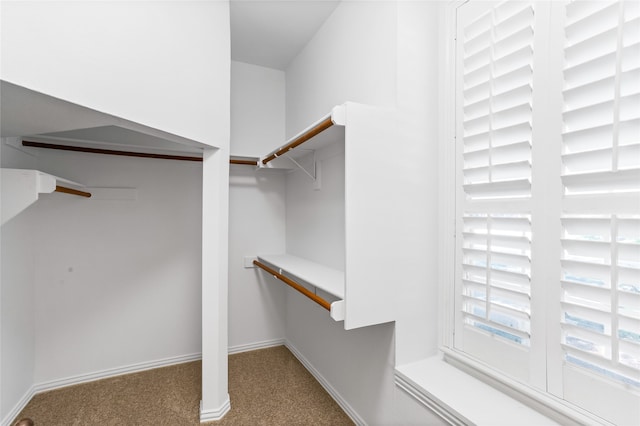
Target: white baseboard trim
[
  {"x": 216, "y": 413},
  {"x": 325, "y": 384},
  {"x": 113, "y": 372},
  {"x": 18, "y": 407},
  {"x": 205, "y": 415},
  {"x": 90, "y": 377},
  {"x": 255, "y": 346}
]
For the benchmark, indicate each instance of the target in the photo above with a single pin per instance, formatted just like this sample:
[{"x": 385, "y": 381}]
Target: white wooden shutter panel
[
  {"x": 601, "y": 137},
  {"x": 497, "y": 73},
  {"x": 600, "y": 263},
  {"x": 601, "y": 313},
  {"x": 496, "y": 275},
  {"x": 497, "y": 76}
]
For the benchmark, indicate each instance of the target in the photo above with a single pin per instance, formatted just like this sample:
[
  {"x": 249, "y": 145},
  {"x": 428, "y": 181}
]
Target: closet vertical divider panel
[{"x": 373, "y": 204}]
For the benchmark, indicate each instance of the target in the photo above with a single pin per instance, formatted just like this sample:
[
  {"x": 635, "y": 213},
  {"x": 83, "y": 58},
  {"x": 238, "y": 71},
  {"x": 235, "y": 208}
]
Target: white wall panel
[
  {"x": 256, "y": 206},
  {"x": 315, "y": 218},
  {"x": 165, "y": 65},
  {"x": 256, "y": 225},
  {"x": 382, "y": 54},
  {"x": 358, "y": 364},
  {"x": 117, "y": 281},
  {"x": 161, "y": 64},
  {"x": 17, "y": 295},
  {"x": 417, "y": 104},
  {"x": 257, "y": 109},
  {"x": 351, "y": 58}
]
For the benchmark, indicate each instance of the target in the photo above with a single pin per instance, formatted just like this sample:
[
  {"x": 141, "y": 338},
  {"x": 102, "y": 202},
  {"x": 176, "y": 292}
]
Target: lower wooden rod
[
  {"x": 72, "y": 191},
  {"x": 319, "y": 300}
]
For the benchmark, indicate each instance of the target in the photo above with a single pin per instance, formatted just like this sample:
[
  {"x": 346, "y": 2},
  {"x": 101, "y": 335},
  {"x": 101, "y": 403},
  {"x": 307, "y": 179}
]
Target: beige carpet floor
[{"x": 266, "y": 387}]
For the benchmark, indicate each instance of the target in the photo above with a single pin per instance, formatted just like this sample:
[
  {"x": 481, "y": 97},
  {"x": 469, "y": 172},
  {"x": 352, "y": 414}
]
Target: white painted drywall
[
  {"x": 315, "y": 218},
  {"x": 379, "y": 53},
  {"x": 256, "y": 226},
  {"x": 163, "y": 64},
  {"x": 117, "y": 281},
  {"x": 17, "y": 296},
  {"x": 351, "y": 58},
  {"x": 215, "y": 249},
  {"x": 417, "y": 88},
  {"x": 257, "y": 109},
  {"x": 358, "y": 364},
  {"x": 256, "y": 206}
]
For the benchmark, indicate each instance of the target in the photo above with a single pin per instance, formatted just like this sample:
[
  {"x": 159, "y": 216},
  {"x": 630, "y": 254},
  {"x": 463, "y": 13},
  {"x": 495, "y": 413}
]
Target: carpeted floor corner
[{"x": 266, "y": 387}]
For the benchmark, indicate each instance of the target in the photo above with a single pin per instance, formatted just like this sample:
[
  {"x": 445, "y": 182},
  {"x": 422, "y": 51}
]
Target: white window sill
[{"x": 461, "y": 399}]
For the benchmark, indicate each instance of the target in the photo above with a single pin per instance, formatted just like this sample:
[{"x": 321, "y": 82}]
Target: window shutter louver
[
  {"x": 601, "y": 115},
  {"x": 496, "y": 120},
  {"x": 600, "y": 261},
  {"x": 496, "y": 275},
  {"x": 497, "y": 80},
  {"x": 601, "y": 294}
]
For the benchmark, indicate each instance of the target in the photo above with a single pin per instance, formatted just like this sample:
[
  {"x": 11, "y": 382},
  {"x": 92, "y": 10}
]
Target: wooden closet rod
[
  {"x": 126, "y": 153},
  {"x": 72, "y": 191},
  {"x": 319, "y": 300},
  {"x": 109, "y": 151},
  {"x": 321, "y": 127},
  {"x": 244, "y": 162}
]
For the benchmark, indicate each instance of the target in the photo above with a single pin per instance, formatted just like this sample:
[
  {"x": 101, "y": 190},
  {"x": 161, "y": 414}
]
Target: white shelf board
[
  {"x": 21, "y": 188},
  {"x": 327, "y": 279}
]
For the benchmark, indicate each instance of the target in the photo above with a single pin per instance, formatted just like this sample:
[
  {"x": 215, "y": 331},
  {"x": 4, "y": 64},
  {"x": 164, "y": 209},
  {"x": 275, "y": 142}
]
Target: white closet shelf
[
  {"x": 322, "y": 277},
  {"x": 329, "y": 280},
  {"x": 21, "y": 188},
  {"x": 327, "y": 130}
]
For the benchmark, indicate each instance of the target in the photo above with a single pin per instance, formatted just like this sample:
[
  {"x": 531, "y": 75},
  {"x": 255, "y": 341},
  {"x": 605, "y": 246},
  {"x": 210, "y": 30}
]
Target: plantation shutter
[
  {"x": 600, "y": 260},
  {"x": 495, "y": 80},
  {"x": 547, "y": 261}
]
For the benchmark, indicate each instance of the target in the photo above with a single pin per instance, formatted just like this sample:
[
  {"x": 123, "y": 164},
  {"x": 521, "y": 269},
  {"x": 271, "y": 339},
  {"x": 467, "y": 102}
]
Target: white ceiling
[{"x": 271, "y": 33}]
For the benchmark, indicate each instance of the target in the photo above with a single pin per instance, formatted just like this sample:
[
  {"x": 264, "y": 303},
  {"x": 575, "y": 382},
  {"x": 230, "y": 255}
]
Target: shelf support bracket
[{"x": 312, "y": 176}]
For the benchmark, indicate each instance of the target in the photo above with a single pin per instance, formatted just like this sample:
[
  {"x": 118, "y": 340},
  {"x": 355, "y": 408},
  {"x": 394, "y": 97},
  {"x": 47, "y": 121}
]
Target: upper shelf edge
[{"x": 336, "y": 117}]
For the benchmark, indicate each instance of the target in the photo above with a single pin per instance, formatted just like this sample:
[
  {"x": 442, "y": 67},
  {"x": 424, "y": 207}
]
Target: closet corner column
[{"x": 215, "y": 401}]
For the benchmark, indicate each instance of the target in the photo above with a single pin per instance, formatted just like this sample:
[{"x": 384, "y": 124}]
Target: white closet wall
[
  {"x": 418, "y": 318},
  {"x": 117, "y": 282},
  {"x": 382, "y": 54},
  {"x": 161, "y": 64},
  {"x": 17, "y": 296},
  {"x": 351, "y": 58},
  {"x": 165, "y": 65},
  {"x": 256, "y": 207}
]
